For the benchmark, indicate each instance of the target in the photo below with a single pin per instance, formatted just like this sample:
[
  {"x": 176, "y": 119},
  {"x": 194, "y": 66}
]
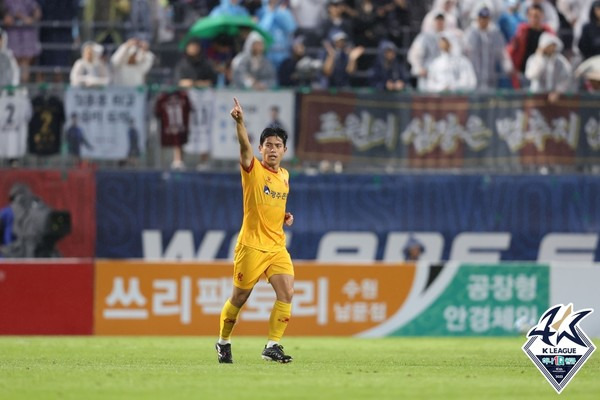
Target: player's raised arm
[{"x": 246, "y": 153}]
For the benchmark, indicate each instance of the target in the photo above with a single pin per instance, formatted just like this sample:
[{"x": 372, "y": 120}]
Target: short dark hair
[
  {"x": 536, "y": 7},
  {"x": 268, "y": 132}
]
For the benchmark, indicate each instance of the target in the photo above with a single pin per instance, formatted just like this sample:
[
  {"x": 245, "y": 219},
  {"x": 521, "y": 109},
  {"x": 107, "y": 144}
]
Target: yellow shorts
[{"x": 249, "y": 264}]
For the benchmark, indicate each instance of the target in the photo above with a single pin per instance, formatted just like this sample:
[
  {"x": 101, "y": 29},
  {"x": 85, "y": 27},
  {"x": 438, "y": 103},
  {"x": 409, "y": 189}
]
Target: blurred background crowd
[
  {"x": 440, "y": 45},
  {"x": 546, "y": 47}
]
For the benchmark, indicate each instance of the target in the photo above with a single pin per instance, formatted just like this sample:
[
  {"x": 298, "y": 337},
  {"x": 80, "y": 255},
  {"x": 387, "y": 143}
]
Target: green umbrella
[{"x": 209, "y": 27}]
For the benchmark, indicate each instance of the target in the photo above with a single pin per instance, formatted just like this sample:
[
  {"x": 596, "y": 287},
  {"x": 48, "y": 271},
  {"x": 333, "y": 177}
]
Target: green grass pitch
[{"x": 323, "y": 368}]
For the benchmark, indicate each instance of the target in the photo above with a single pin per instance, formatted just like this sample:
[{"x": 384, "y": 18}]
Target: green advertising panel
[{"x": 485, "y": 300}]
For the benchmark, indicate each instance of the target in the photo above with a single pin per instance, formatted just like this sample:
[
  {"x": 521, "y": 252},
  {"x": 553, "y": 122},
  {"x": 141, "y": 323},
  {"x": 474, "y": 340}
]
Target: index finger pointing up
[{"x": 237, "y": 103}]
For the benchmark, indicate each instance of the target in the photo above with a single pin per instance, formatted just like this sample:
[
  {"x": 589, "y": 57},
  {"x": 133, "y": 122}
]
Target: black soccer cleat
[
  {"x": 224, "y": 353},
  {"x": 275, "y": 353}
]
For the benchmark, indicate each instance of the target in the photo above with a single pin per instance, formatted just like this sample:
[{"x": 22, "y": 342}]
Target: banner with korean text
[
  {"x": 133, "y": 297},
  {"x": 483, "y": 300},
  {"x": 106, "y": 123},
  {"x": 186, "y": 299},
  {"x": 261, "y": 109},
  {"x": 440, "y": 131},
  {"x": 200, "y": 123}
]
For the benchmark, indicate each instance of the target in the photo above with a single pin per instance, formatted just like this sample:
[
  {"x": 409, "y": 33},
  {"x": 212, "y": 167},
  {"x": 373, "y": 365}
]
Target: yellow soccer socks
[
  {"x": 280, "y": 316},
  {"x": 229, "y": 315}
]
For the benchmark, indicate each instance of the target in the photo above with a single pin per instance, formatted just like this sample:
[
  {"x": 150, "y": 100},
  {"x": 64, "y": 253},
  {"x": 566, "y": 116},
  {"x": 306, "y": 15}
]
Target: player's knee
[
  {"x": 286, "y": 295},
  {"x": 239, "y": 299}
]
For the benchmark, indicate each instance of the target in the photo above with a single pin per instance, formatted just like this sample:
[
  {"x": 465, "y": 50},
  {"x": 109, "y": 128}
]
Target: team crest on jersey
[
  {"x": 267, "y": 190},
  {"x": 557, "y": 345}
]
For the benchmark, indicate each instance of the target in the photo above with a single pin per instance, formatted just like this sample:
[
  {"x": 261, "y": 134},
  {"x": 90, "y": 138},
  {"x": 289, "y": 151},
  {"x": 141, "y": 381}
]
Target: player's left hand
[
  {"x": 237, "y": 113},
  {"x": 289, "y": 219}
]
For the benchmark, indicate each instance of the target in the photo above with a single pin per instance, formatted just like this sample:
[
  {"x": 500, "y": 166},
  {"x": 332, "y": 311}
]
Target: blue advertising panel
[{"x": 473, "y": 218}]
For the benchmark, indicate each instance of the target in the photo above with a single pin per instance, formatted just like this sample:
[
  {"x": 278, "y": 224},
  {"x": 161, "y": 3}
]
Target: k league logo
[{"x": 558, "y": 346}]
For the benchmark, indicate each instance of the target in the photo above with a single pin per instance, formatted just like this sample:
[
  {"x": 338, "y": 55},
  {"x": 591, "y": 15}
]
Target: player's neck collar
[{"x": 265, "y": 166}]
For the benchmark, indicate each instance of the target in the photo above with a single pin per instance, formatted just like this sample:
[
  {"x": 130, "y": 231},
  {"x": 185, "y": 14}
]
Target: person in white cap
[
  {"x": 90, "y": 70},
  {"x": 484, "y": 45},
  {"x": 547, "y": 69},
  {"x": 339, "y": 62}
]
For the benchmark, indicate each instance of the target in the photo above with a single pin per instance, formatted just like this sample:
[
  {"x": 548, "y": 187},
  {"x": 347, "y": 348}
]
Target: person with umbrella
[{"x": 230, "y": 25}]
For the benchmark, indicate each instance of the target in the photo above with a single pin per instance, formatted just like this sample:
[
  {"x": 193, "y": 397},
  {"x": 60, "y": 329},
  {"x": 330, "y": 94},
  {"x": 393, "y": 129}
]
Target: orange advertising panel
[{"x": 141, "y": 298}]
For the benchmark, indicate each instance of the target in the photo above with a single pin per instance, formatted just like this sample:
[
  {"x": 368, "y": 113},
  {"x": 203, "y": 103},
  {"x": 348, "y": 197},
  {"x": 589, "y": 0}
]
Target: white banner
[
  {"x": 260, "y": 110},
  {"x": 15, "y": 113},
  {"x": 108, "y": 118},
  {"x": 201, "y": 117}
]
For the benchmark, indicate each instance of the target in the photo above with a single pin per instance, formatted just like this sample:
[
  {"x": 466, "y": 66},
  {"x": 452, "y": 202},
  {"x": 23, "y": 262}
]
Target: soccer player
[{"x": 260, "y": 247}]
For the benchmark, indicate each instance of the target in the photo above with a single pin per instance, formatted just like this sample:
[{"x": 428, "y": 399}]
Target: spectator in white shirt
[
  {"x": 424, "y": 49},
  {"x": 547, "y": 69},
  {"x": 450, "y": 71},
  {"x": 90, "y": 70},
  {"x": 131, "y": 63}
]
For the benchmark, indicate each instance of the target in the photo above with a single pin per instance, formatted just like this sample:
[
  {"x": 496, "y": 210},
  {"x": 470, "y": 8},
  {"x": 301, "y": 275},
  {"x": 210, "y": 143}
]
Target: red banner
[
  {"x": 325, "y": 112},
  {"x": 46, "y": 298},
  {"x": 73, "y": 191},
  {"x": 552, "y": 130}
]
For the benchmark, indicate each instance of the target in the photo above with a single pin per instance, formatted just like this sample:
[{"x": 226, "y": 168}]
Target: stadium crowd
[
  {"x": 441, "y": 45},
  {"x": 431, "y": 46}
]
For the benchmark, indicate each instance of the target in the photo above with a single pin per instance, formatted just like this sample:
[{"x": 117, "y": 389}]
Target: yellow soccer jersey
[{"x": 265, "y": 196}]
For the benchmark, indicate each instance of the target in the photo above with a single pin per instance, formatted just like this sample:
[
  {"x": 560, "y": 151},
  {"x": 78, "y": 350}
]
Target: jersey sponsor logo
[
  {"x": 557, "y": 346},
  {"x": 273, "y": 194}
]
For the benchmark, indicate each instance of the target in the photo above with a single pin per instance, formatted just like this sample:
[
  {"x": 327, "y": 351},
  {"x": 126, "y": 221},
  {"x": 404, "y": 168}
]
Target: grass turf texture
[{"x": 323, "y": 368}]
